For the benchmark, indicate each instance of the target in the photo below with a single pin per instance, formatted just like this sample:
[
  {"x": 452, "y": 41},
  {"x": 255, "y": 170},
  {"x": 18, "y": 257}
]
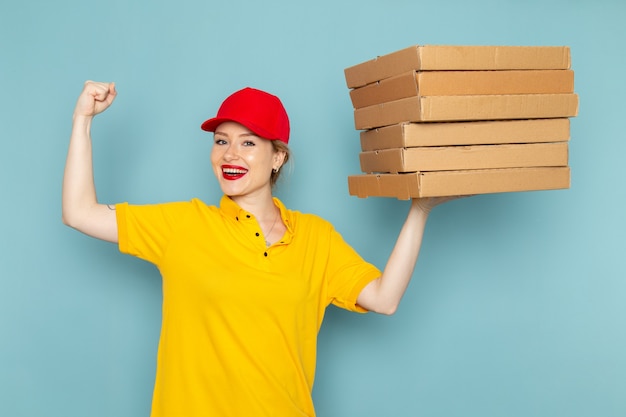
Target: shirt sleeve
[
  {"x": 348, "y": 274},
  {"x": 145, "y": 230}
]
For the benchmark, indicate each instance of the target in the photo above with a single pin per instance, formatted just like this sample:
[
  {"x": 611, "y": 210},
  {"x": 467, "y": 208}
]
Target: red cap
[{"x": 261, "y": 112}]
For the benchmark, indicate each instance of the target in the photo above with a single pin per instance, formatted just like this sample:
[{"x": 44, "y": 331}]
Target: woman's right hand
[{"x": 95, "y": 98}]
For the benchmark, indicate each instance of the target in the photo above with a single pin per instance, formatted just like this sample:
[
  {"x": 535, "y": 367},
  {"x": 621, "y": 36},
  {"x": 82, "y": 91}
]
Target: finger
[
  {"x": 98, "y": 90},
  {"x": 101, "y": 92},
  {"x": 112, "y": 93}
]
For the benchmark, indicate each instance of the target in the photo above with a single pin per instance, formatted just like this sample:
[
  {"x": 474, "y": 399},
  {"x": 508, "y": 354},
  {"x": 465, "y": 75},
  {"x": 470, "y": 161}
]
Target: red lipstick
[{"x": 233, "y": 172}]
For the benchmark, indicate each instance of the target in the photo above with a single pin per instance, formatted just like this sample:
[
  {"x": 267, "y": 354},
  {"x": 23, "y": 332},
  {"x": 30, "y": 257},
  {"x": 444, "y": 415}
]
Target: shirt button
[
  {"x": 247, "y": 216},
  {"x": 257, "y": 234},
  {"x": 265, "y": 254}
]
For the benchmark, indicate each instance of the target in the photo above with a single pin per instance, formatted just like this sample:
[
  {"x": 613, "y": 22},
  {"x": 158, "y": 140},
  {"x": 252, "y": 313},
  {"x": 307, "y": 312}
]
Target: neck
[
  {"x": 267, "y": 215},
  {"x": 262, "y": 206}
]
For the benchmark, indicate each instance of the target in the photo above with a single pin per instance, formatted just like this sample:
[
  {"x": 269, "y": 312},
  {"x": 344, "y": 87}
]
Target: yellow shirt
[{"x": 240, "y": 321}]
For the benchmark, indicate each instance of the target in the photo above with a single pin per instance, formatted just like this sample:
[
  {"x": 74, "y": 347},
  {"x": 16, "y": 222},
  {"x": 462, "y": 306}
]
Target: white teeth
[{"x": 233, "y": 171}]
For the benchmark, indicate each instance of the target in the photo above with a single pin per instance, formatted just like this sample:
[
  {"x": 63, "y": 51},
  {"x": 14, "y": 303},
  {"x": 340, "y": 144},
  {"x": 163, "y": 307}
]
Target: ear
[{"x": 279, "y": 159}]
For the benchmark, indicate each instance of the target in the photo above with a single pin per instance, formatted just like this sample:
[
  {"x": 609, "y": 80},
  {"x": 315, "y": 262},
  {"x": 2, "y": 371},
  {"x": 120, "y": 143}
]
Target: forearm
[
  {"x": 79, "y": 191},
  {"x": 401, "y": 264},
  {"x": 391, "y": 286},
  {"x": 383, "y": 295}
]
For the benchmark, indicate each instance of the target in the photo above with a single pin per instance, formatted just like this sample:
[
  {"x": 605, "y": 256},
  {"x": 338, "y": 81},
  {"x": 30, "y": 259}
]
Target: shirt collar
[{"x": 230, "y": 209}]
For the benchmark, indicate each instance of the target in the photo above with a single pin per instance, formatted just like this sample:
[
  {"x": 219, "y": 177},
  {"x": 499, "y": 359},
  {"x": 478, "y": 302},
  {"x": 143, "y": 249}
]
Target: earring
[{"x": 275, "y": 170}]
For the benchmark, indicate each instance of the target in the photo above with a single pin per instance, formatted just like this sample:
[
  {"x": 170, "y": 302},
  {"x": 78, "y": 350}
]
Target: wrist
[
  {"x": 422, "y": 206},
  {"x": 77, "y": 117},
  {"x": 81, "y": 121},
  {"x": 81, "y": 125}
]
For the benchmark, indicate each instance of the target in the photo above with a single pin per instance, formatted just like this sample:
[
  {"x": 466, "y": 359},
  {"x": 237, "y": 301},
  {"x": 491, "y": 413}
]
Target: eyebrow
[{"x": 242, "y": 135}]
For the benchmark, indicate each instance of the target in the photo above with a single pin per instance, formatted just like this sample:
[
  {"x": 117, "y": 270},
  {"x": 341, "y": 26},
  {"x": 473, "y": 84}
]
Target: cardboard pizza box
[
  {"x": 452, "y": 183},
  {"x": 407, "y": 135},
  {"x": 457, "y": 58},
  {"x": 450, "y": 158},
  {"x": 466, "y": 108},
  {"x": 461, "y": 83}
]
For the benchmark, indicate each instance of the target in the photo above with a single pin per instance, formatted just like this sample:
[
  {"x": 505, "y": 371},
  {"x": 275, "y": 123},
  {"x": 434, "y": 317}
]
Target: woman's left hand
[{"x": 426, "y": 204}]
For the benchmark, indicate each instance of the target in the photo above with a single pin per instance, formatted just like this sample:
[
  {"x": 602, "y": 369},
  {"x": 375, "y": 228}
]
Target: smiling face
[{"x": 242, "y": 161}]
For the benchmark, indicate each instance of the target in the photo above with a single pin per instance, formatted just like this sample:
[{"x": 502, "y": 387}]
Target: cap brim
[{"x": 212, "y": 124}]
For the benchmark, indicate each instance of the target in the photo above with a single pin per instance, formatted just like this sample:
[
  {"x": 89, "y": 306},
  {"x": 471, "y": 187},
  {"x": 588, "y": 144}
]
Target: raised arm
[
  {"x": 81, "y": 209},
  {"x": 383, "y": 295}
]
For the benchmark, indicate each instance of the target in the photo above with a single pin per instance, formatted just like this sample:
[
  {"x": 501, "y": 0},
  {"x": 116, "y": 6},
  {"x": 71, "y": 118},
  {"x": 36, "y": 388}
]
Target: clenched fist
[{"x": 95, "y": 98}]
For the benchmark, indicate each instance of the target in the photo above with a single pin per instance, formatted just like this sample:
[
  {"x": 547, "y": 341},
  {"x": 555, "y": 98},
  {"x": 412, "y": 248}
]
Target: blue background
[{"x": 517, "y": 306}]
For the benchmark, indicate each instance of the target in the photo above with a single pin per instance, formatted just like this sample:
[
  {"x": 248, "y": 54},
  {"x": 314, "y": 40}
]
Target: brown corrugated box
[
  {"x": 450, "y": 183},
  {"x": 457, "y": 58},
  {"x": 459, "y": 108},
  {"x": 450, "y": 158},
  {"x": 475, "y": 124},
  {"x": 461, "y": 83},
  {"x": 466, "y": 133}
]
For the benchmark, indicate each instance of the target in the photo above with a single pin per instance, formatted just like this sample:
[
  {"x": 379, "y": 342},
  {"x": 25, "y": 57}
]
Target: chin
[{"x": 231, "y": 190}]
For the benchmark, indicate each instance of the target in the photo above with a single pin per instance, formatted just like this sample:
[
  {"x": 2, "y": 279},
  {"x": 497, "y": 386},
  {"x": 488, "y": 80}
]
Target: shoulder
[
  {"x": 299, "y": 220},
  {"x": 314, "y": 219},
  {"x": 168, "y": 210},
  {"x": 198, "y": 204},
  {"x": 193, "y": 204},
  {"x": 309, "y": 221}
]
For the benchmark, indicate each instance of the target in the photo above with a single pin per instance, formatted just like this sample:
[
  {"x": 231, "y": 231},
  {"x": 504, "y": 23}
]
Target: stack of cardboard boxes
[{"x": 458, "y": 120}]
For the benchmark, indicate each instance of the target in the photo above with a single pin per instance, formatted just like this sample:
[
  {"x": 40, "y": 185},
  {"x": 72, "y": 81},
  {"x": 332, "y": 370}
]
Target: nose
[{"x": 230, "y": 153}]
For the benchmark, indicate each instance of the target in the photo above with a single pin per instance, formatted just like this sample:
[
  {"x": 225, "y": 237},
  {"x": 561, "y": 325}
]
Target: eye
[
  {"x": 249, "y": 143},
  {"x": 220, "y": 141}
]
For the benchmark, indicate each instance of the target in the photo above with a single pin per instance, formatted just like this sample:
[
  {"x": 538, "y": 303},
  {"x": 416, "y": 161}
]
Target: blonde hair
[{"x": 279, "y": 146}]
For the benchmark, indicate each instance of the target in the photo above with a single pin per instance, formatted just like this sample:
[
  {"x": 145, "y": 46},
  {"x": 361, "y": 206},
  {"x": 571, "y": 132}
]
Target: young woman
[{"x": 245, "y": 283}]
